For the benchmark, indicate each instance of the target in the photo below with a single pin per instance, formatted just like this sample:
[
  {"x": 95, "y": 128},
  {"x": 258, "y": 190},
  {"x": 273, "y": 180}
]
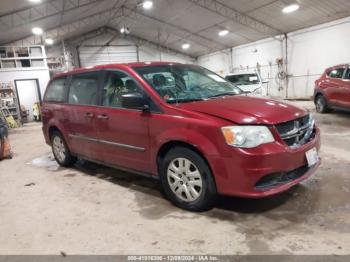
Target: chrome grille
[{"x": 297, "y": 132}]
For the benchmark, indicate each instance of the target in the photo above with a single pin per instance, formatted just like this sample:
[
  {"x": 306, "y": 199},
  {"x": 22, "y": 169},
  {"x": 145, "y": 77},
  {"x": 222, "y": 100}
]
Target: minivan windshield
[
  {"x": 244, "y": 79},
  {"x": 186, "y": 83}
]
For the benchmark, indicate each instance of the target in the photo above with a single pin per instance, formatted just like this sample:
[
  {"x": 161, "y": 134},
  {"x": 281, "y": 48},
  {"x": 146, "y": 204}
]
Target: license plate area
[{"x": 312, "y": 156}]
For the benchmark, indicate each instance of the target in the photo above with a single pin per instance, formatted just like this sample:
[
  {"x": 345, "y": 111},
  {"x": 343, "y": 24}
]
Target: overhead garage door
[{"x": 99, "y": 55}]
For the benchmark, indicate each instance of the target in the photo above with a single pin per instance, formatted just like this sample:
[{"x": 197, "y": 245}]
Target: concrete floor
[{"x": 89, "y": 209}]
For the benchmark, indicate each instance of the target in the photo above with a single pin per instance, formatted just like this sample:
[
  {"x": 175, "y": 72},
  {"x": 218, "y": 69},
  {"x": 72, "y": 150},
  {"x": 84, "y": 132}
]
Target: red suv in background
[
  {"x": 183, "y": 124},
  {"x": 332, "y": 89}
]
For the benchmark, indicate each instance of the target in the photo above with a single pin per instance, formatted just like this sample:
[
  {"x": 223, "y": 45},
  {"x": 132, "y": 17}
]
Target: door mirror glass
[{"x": 135, "y": 101}]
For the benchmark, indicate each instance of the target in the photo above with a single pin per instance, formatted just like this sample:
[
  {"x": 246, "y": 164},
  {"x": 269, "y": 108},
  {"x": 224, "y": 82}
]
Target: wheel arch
[
  {"x": 319, "y": 93},
  {"x": 52, "y": 129},
  {"x": 166, "y": 147}
]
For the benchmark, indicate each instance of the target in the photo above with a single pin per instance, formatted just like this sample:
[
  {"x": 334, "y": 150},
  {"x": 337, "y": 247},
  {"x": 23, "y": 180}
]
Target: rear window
[
  {"x": 56, "y": 91},
  {"x": 83, "y": 89},
  {"x": 336, "y": 73}
]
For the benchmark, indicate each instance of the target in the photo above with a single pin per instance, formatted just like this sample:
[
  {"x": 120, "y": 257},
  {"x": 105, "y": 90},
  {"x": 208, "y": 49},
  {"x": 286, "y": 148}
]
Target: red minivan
[
  {"x": 182, "y": 124},
  {"x": 332, "y": 89}
]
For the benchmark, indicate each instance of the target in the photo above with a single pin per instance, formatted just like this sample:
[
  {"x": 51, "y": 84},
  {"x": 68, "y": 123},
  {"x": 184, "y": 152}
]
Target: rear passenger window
[
  {"x": 56, "y": 91},
  {"x": 83, "y": 89},
  {"x": 336, "y": 73}
]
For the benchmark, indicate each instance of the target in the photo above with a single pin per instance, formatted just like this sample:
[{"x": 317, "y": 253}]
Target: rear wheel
[
  {"x": 321, "y": 104},
  {"x": 60, "y": 150},
  {"x": 187, "y": 180}
]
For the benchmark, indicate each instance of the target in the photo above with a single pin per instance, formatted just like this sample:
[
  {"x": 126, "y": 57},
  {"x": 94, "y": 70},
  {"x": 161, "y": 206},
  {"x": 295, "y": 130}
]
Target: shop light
[
  {"x": 49, "y": 41},
  {"x": 186, "y": 46},
  {"x": 290, "y": 8},
  {"x": 147, "y": 4},
  {"x": 223, "y": 32},
  {"x": 37, "y": 31}
]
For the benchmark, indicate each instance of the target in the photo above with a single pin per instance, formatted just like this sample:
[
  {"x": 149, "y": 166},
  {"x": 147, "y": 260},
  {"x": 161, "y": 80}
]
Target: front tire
[
  {"x": 321, "y": 104},
  {"x": 61, "y": 151},
  {"x": 187, "y": 180}
]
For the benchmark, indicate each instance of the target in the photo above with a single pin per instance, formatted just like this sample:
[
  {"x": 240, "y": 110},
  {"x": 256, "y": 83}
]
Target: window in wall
[
  {"x": 36, "y": 51},
  {"x": 83, "y": 89},
  {"x": 37, "y": 63},
  {"x": 116, "y": 85},
  {"x": 56, "y": 91},
  {"x": 336, "y": 73}
]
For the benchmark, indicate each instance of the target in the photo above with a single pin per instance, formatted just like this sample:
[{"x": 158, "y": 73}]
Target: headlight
[{"x": 247, "y": 136}]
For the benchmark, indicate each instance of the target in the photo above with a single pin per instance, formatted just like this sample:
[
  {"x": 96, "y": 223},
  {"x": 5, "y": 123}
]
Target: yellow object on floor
[
  {"x": 11, "y": 122},
  {"x": 36, "y": 111}
]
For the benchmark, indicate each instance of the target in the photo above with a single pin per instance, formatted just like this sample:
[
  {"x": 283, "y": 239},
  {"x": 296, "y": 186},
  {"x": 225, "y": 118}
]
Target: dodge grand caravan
[{"x": 182, "y": 124}]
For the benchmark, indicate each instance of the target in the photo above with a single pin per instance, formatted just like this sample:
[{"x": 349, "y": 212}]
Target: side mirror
[{"x": 135, "y": 101}]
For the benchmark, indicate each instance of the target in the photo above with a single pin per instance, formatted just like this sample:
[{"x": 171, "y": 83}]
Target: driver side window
[
  {"x": 118, "y": 84},
  {"x": 347, "y": 74}
]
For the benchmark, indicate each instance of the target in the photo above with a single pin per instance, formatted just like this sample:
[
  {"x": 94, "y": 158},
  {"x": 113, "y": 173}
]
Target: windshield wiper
[
  {"x": 184, "y": 100},
  {"x": 223, "y": 94}
]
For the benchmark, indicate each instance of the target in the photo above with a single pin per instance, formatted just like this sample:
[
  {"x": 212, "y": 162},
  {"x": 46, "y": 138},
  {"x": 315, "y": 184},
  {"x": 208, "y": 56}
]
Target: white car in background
[{"x": 250, "y": 82}]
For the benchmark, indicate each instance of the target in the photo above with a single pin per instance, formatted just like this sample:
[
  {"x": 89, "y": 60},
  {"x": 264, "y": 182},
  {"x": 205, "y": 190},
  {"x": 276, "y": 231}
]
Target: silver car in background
[{"x": 250, "y": 82}]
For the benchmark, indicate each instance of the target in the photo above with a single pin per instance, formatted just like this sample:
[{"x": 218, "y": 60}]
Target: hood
[{"x": 247, "y": 110}]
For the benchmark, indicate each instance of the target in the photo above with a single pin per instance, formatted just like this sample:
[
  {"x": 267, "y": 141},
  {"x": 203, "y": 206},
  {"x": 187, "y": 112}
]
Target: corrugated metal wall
[{"x": 99, "y": 55}]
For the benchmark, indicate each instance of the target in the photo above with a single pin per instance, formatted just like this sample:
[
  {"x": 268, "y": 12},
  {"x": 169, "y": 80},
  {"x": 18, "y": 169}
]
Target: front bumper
[{"x": 240, "y": 173}]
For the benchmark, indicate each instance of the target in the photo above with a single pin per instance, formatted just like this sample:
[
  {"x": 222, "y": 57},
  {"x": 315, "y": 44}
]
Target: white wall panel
[
  {"x": 93, "y": 52},
  {"x": 10, "y": 75},
  {"x": 90, "y": 56},
  {"x": 218, "y": 62},
  {"x": 310, "y": 51},
  {"x": 122, "y": 50}
]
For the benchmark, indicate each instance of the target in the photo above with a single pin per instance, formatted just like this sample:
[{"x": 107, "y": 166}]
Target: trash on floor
[
  {"x": 30, "y": 184},
  {"x": 46, "y": 161}
]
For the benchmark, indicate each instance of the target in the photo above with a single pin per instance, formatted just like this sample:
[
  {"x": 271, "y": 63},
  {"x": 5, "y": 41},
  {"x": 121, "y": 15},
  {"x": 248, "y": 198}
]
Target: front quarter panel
[{"x": 204, "y": 135}]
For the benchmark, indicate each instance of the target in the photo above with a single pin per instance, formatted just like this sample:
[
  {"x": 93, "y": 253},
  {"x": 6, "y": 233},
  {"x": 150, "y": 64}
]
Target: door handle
[
  {"x": 89, "y": 115},
  {"x": 103, "y": 117}
]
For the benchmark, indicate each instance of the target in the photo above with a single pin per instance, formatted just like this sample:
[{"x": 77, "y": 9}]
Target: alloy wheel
[
  {"x": 59, "y": 149},
  {"x": 319, "y": 104},
  {"x": 184, "y": 179}
]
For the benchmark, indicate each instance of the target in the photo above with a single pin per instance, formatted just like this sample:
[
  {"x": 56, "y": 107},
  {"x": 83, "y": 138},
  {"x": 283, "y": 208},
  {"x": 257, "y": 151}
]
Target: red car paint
[
  {"x": 235, "y": 170},
  {"x": 335, "y": 90}
]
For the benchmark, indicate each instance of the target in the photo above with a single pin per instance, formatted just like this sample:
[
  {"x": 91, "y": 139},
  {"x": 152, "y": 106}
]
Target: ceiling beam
[
  {"x": 23, "y": 8},
  {"x": 61, "y": 32},
  {"x": 232, "y": 14},
  {"x": 43, "y": 11},
  {"x": 77, "y": 40},
  {"x": 115, "y": 13},
  {"x": 139, "y": 41},
  {"x": 181, "y": 32}
]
